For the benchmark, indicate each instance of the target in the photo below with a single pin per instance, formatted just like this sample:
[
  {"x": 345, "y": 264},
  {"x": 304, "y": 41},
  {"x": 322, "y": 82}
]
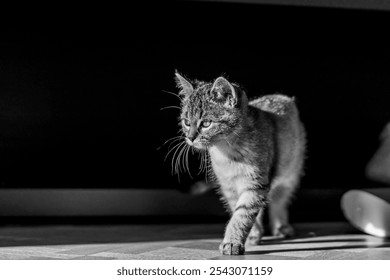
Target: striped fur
[{"x": 256, "y": 151}]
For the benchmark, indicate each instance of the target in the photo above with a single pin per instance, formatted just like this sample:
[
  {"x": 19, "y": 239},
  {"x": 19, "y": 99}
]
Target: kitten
[{"x": 256, "y": 150}]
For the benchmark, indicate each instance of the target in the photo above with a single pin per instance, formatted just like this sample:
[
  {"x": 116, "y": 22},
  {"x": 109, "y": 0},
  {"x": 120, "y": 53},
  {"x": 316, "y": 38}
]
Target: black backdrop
[{"x": 81, "y": 91}]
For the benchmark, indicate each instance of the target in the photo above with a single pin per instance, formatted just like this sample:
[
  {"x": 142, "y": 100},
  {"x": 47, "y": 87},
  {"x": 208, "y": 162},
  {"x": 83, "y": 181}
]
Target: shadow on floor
[
  {"x": 259, "y": 252},
  {"x": 93, "y": 234}
]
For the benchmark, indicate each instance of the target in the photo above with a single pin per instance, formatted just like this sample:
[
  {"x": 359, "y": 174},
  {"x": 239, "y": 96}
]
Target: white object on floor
[{"x": 368, "y": 210}]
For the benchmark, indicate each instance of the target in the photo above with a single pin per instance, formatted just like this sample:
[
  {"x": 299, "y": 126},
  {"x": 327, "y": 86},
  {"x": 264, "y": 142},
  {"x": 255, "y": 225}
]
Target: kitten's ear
[
  {"x": 223, "y": 91},
  {"x": 184, "y": 85}
]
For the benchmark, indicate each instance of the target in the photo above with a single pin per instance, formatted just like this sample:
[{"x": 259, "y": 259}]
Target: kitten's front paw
[
  {"x": 284, "y": 231},
  {"x": 232, "y": 249}
]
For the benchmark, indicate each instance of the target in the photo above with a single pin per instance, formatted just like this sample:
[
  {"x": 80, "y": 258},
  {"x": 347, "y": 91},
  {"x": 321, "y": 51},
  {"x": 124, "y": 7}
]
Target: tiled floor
[{"x": 177, "y": 241}]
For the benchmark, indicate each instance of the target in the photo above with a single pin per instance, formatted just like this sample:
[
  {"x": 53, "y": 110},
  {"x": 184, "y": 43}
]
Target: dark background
[{"x": 81, "y": 90}]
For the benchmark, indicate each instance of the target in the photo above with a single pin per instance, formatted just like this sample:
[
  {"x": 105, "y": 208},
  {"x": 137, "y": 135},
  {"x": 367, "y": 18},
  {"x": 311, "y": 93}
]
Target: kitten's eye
[
  {"x": 186, "y": 122},
  {"x": 206, "y": 123}
]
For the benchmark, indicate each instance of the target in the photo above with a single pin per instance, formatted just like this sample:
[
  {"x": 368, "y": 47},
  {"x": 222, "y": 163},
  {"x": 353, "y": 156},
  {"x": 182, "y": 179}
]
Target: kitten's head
[{"x": 210, "y": 112}]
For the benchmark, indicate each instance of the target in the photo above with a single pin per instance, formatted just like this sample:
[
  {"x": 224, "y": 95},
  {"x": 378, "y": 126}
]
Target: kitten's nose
[
  {"x": 192, "y": 134},
  {"x": 191, "y": 137}
]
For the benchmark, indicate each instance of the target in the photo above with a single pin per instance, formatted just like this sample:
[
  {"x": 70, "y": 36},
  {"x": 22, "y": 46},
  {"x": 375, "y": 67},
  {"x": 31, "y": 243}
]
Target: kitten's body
[
  {"x": 268, "y": 157},
  {"x": 256, "y": 150}
]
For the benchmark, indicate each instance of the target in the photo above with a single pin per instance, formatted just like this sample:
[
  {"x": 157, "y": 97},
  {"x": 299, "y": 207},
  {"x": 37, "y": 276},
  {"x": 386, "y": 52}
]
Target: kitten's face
[{"x": 208, "y": 113}]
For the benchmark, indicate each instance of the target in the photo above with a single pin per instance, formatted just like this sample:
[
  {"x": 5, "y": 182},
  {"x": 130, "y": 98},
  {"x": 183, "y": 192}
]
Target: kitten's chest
[{"x": 227, "y": 170}]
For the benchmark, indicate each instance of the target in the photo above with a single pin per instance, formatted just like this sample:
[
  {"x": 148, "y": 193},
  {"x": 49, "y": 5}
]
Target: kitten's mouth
[{"x": 196, "y": 144}]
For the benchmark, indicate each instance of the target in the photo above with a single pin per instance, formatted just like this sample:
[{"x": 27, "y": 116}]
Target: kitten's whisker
[
  {"x": 174, "y": 94},
  {"x": 174, "y": 142},
  {"x": 174, "y": 139},
  {"x": 238, "y": 137},
  {"x": 170, "y": 107},
  {"x": 174, "y": 158},
  {"x": 204, "y": 161},
  {"x": 175, "y": 147},
  {"x": 175, "y": 170},
  {"x": 228, "y": 142},
  {"x": 178, "y": 162},
  {"x": 184, "y": 158},
  {"x": 187, "y": 161},
  {"x": 180, "y": 137},
  {"x": 205, "y": 164},
  {"x": 201, "y": 162},
  {"x": 208, "y": 168},
  {"x": 170, "y": 150},
  {"x": 200, "y": 159},
  {"x": 182, "y": 166}
]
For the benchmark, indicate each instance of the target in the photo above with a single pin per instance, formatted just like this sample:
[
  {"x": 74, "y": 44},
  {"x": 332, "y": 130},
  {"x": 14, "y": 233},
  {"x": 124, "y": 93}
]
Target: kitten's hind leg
[
  {"x": 280, "y": 196},
  {"x": 257, "y": 231}
]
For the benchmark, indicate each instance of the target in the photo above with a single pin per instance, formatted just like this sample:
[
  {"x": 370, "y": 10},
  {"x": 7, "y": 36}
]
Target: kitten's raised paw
[
  {"x": 253, "y": 240},
  {"x": 232, "y": 249},
  {"x": 284, "y": 231},
  {"x": 254, "y": 237}
]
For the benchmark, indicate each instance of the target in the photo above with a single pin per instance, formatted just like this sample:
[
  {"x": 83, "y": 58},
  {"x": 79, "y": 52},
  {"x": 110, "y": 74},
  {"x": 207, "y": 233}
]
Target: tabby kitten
[{"x": 256, "y": 150}]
